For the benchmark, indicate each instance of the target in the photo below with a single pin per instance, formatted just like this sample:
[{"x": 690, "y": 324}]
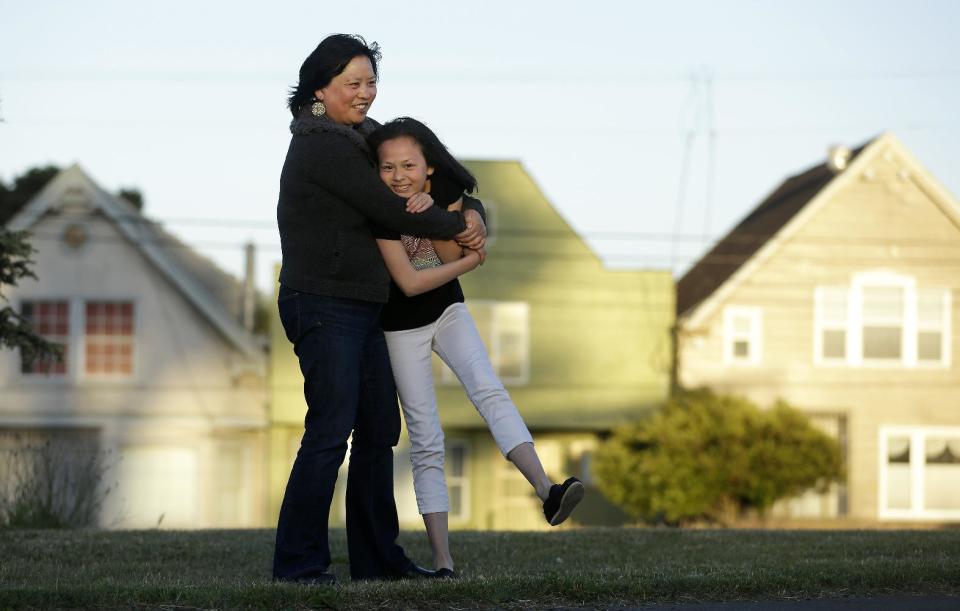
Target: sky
[{"x": 652, "y": 127}]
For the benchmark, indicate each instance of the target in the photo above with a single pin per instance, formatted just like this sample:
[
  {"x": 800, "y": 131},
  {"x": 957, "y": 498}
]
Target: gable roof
[
  {"x": 216, "y": 295},
  {"x": 737, "y": 247},
  {"x": 759, "y": 235}
]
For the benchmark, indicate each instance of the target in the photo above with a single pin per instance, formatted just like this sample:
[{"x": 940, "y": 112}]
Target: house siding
[
  {"x": 192, "y": 413},
  {"x": 882, "y": 216}
]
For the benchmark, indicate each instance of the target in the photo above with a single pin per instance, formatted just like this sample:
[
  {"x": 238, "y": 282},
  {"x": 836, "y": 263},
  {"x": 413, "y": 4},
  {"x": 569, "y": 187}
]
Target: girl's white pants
[{"x": 455, "y": 339}]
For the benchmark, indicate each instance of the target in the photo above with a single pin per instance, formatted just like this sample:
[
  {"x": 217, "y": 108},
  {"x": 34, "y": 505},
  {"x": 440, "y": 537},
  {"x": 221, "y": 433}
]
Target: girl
[{"x": 426, "y": 313}]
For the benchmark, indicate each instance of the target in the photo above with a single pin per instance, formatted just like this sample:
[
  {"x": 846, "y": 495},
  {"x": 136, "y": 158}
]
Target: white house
[
  {"x": 159, "y": 373},
  {"x": 840, "y": 293}
]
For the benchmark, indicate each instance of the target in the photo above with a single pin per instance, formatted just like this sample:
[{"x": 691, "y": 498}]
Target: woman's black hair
[
  {"x": 436, "y": 154},
  {"x": 329, "y": 59}
]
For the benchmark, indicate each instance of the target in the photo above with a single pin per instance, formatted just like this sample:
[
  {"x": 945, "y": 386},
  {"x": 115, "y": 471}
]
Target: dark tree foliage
[
  {"x": 15, "y": 331},
  {"x": 25, "y": 186},
  {"x": 15, "y": 262},
  {"x": 134, "y": 196}
]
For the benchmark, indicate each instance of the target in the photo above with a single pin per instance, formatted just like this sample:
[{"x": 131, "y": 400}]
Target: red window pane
[
  {"x": 109, "y": 337},
  {"x": 51, "y": 320}
]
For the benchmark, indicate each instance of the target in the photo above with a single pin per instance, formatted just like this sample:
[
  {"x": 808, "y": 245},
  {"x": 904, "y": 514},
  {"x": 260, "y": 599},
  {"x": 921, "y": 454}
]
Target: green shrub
[{"x": 704, "y": 455}]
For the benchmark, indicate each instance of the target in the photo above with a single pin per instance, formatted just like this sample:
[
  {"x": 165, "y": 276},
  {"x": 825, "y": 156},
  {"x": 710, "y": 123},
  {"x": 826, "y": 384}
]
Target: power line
[
  {"x": 711, "y": 155},
  {"x": 565, "y": 234},
  {"x": 690, "y": 134},
  {"x": 497, "y": 251},
  {"x": 478, "y": 76},
  {"x": 919, "y": 125}
]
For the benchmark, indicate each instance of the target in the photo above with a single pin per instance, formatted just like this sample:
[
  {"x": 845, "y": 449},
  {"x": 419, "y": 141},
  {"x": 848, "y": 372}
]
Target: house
[
  {"x": 839, "y": 294},
  {"x": 580, "y": 348},
  {"x": 159, "y": 376}
]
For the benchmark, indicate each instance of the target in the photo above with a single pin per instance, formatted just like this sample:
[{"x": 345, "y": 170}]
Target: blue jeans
[{"x": 348, "y": 387}]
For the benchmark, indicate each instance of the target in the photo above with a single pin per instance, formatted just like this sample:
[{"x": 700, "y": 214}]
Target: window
[
  {"x": 831, "y": 317},
  {"x": 882, "y": 330},
  {"x": 161, "y": 487},
  {"x": 742, "y": 331},
  {"x": 109, "y": 338},
  {"x": 920, "y": 473},
  {"x": 504, "y": 329},
  {"x": 882, "y": 319},
  {"x": 932, "y": 310},
  {"x": 898, "y": 472},
  {"x": 458, "y": 482},
  {"x": 51, "y": 320},
  {"x": 232, "y": 502}
]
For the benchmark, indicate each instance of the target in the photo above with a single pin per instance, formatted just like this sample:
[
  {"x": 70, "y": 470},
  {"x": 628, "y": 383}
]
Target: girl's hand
[
  {"x": 480, "y": 254},
  {"x": 419, "y": 202}
]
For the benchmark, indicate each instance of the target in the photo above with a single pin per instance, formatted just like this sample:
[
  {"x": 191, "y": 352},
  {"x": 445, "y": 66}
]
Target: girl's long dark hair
[{"x": 434, "y": 151}]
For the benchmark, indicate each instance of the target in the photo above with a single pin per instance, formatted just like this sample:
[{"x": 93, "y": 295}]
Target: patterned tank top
[{"x": 421, "y": 252}]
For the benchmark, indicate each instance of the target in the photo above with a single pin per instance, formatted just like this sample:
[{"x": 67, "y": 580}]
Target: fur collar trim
[{"x": 306, "y": 123}]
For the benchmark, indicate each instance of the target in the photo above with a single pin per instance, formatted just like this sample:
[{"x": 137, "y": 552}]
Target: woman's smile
[{"x": 349, "y": 95}]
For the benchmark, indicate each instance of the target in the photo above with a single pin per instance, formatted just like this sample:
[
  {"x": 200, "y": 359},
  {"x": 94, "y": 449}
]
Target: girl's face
[{"x": 402, "y": 166}]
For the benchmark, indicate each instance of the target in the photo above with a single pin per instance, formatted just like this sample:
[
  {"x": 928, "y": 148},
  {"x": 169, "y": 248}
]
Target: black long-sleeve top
[{"x": 330, "y": 196}]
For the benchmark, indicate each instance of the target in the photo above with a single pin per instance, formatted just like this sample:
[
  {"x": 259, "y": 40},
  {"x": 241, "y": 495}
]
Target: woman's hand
[
  {"x": 474, "y": 236},
  {"x": 419, "y": 202}
]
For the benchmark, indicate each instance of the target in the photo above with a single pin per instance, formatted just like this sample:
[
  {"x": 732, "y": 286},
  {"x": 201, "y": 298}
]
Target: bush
[
  {"x": 54, "y": 484},
  {"x": 704, "y": 456}
]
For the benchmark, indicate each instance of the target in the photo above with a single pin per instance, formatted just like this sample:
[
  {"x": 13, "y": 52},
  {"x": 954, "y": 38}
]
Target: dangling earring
[
  {"x": 426, "y": 186},
  {"x": 318, "y": 109}
]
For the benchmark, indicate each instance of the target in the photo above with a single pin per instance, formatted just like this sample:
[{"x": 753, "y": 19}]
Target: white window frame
[
  {"x": 447, "y": 377},
  {"x": 918, "y": 436},
  {"x": 754, "y": 336},
  {"x": 855, "y": 321},
  {"x": 820, "y": 325},
  {"x": 463, "y": 481},
  {"x": 944, "y": 327}
]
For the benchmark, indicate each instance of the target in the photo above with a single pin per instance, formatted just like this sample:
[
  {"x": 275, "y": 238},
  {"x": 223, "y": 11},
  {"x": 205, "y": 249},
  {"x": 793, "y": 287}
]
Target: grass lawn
[{"x": 590, "y": 567}]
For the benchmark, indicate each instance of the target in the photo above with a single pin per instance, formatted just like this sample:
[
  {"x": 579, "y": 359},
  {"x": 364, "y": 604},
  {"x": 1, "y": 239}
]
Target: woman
[
  {"x": 426, "y": 313},
  {"x": 333, "y": 283}
]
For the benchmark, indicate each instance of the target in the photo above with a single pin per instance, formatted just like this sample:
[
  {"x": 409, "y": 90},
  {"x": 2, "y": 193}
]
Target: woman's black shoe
[
  {"x": 416, "y": 572},
  {"x": 317, "y": 579},
  {"x": 445, "y": 573}
]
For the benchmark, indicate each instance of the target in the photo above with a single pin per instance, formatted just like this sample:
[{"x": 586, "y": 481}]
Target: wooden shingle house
[
  {"x": 840, "y": 293},
  {"x": 159, "y": 374}
]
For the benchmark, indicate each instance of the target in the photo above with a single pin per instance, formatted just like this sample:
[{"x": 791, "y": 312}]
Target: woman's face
[
  {"x": 349, "y": 95},
  {"x": 402, "y": 166}
]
